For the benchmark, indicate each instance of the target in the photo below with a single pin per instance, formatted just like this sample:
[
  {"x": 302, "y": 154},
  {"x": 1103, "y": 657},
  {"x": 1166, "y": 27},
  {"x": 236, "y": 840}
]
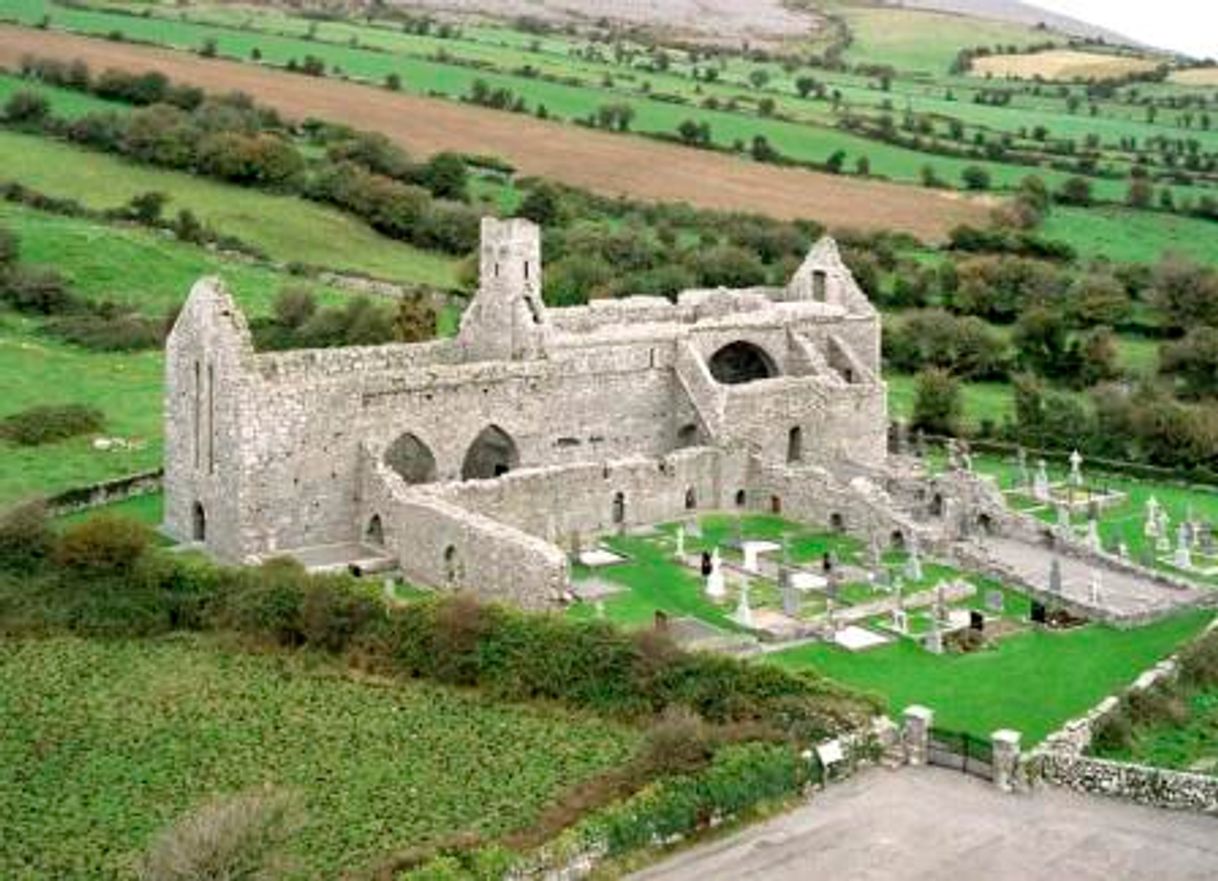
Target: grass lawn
[
  {"x": 105, "y": 742},
  {"x": 125, "y": 386},
  {"x": 285, "y": 228},
  {"x": 1032, "y": 682}
]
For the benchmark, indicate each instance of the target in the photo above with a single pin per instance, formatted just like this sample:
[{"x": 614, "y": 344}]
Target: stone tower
[{"x": 507, "y": 320}]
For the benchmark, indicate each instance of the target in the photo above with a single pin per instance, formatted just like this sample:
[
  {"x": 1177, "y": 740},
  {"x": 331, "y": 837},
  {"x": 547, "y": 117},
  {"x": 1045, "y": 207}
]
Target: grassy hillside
[
  {"x": 107, "y": 742},
  {"x": 285, "y": 228}
]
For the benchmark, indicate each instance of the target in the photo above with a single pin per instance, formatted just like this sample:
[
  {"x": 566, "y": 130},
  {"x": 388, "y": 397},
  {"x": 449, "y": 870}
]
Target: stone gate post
[
  {"x": 1005, "y": 758},
  {"x": 916, "y": 733}
]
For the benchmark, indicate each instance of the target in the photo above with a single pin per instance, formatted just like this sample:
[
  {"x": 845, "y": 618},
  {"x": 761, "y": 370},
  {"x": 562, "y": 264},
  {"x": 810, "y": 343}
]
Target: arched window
[
  {"x": 619, "y": 507},
  {"x": 450, "y": 565},
  {"x": 198, "y": 525},
  {"x": 687, "y": 436},
  {"x": 492, "y": 453},
  {"x": 412, "y": 459},
  {"x": 741, "y": 498},
  {"x": 897, "y": 540},
  {"x": 818, "y": 285},
  {"x": 691, "y": 499},
  {"x": 741, "y": 362},
  {"x": 836, "y": 522},
  {"x": 374, "y": 534}
]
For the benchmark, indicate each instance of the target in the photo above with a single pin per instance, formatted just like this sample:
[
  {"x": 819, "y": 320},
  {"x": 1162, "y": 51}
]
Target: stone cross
[
  {"x": 1151, "y": 528},
  {"x": 1076, "y": 469},
  {"x": 913, "y": 565},
  {"x": 1163, "y": 543},
  {"x": 934, "y": 639},
  {"x": 1055, "y": 576},
  {"x": 1040, "y": 483}
]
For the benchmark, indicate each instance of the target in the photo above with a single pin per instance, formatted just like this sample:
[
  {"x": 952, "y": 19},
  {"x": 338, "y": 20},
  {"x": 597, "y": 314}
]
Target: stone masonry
[{"x": 471, "y": 461}]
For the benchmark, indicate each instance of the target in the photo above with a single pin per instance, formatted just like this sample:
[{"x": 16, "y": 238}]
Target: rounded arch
[
  {"x": 691, "y": 499},
  {"x": 837, "y": 523},
  {"x": 741, "y": 362},
  {"x": 897, "y": 540},
  {"x": 492, "y": 453},
  {"x": 688, "y": 435},
  {"x": 741, "y": 498},
  {"x": 198, "y": 522},
  {"x": 619, "y": 508},
  {"x": 412, "y": 459}
]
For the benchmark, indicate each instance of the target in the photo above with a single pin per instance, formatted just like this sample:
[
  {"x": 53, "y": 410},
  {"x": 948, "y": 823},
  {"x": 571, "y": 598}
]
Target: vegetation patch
[
  {"x": 47, "y": 423},
  {"x": 107, "y": 741},
  {"x": 1061, "y": 64}
]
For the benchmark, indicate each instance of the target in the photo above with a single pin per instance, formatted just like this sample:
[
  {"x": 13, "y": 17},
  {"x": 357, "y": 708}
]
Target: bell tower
[{"x": 507, "y": 319}]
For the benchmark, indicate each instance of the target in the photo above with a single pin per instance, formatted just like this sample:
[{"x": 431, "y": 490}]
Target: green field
[
  {"x": 1031, "y": 682},
  {"x": 106, "y": 742},
  {"x": 1189, "y": 746},
  {"x": 983, "y": 401},
  {"x": 1129, "y": 236},
  {"x": 285, "y": 228},
  {"x": 127, "y": 387},
  {"x": 573, "y": 87}
]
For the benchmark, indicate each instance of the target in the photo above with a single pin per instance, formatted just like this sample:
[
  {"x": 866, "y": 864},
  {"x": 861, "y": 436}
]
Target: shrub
[
  {"x": 47, "y": 423},
  {"x": 10, "y": 248},
  {"x": 108, "y": 331},
  {"x": 1114, "y": 733},
  {"x": 41, "y": 291},
  {"x": 26, "y": 538},
  {"x": 26, "y": 107},
  {"x": 937, "y": 403},
  {"x": 105, "y": 545},
  {"x": 237, "y": 836},
  {"x": 1199, "y": 662}
]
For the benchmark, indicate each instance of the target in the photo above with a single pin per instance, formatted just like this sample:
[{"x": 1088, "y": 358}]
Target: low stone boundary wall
[
  {"x": 105, "y": 492},
  {"x": 1156, "y": 787}
]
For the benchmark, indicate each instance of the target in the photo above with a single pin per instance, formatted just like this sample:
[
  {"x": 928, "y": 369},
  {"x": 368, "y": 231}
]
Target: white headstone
[
  {"x": 1095, "y": 586},
  {"x": 1093, "y": 534},
  {"x": 680, "y": 541},
  {"x": 913, "y": 566},
  {"x": 750, "y": 557},
  {"x": 1151, "y": 528},
  {"x": 900, "y": 620},
  {"x": 715, "y": 587},
  {"x": 1040, "y": 483},
  {"x": 1183, "y": 558},
  {"x": 744, "y": 614}
]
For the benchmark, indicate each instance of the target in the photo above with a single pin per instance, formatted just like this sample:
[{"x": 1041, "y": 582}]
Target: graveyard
[{"x": 892, "y": 621}]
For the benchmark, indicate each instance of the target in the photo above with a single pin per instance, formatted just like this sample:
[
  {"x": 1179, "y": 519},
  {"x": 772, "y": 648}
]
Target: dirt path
[{"x": 609, "y": 164}]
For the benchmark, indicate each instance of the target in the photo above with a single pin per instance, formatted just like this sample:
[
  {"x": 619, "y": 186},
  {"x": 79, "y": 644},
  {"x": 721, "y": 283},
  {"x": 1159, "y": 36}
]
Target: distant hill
[{"x": 1020, "y": 13}]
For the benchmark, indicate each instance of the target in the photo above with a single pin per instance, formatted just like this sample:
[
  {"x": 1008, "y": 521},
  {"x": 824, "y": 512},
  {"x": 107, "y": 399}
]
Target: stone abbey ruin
[{"x": 483, "y": 461}]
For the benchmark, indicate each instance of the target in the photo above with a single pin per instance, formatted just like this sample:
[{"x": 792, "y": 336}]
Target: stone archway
[
  {"x": 374, "y": 533},
  {"x": 493, "y": 453},
  {"x": 741, "y": 362},
  {"x": 411, "y": 459}
]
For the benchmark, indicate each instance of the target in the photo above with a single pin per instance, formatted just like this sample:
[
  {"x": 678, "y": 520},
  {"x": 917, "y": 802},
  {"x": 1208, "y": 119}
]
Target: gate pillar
[
  {"x": 915, "y": 732},
  {"x": 1005, "y": 744}
]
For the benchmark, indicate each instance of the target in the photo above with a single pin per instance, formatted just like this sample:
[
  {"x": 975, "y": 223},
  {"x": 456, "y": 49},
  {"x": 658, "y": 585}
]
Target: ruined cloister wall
[
  {"x": 559, "y": 502},
  {"x": 440, "y": 544}
]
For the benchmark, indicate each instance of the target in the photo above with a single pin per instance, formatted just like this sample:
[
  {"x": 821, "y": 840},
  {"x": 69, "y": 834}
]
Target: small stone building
[{"x": 479, "y": 461}]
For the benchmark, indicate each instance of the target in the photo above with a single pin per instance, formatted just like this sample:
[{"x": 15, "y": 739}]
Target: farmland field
[
  {"x": 604, "y": 163},
  {"x": 1197, "y": 76},
  {"x": 1060, "y": 64},
  {"x": 106, "y": 742}
]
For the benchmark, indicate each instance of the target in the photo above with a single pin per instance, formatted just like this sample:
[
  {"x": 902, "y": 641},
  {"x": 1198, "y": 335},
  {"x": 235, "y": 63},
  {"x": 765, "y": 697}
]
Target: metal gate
[{"x": 962, "y": 751}]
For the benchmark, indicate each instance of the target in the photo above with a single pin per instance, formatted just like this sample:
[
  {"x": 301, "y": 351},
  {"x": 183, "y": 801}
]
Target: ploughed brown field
[{"x": 605, "y": 163}]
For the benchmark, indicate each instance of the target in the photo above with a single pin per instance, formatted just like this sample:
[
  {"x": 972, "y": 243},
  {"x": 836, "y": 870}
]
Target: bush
[
  {"x": 108, "y": 331},
  {"x": 47, "y": 423},
  {"x": 25, "y": 107},
  {"x": 1114, "y": 733},
  {"x": 41, "y": 291},
  {"x": 105, "y": 545},
  {"x": 1199, "y": 662},
  {"x": 937, "y": 403},
  {"x": 26, "y": 538},
  {"x": 238, "y": 836}
]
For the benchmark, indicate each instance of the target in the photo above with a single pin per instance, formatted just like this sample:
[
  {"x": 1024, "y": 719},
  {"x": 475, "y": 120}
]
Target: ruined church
[{"x": 481, "y": 461}]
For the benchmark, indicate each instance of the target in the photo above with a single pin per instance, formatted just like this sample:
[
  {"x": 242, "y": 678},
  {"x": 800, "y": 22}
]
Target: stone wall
[
  {"x": 105, "y": 492},
  {"x": 440, "y": 544},
  {"x": 1156, "y": 787}
]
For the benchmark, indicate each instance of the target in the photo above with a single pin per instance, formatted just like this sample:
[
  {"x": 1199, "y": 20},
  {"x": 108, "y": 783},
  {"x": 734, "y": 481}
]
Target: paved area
[
  {"x": 930, "y": 824},
  {"x": 1120, "y": 591}
]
